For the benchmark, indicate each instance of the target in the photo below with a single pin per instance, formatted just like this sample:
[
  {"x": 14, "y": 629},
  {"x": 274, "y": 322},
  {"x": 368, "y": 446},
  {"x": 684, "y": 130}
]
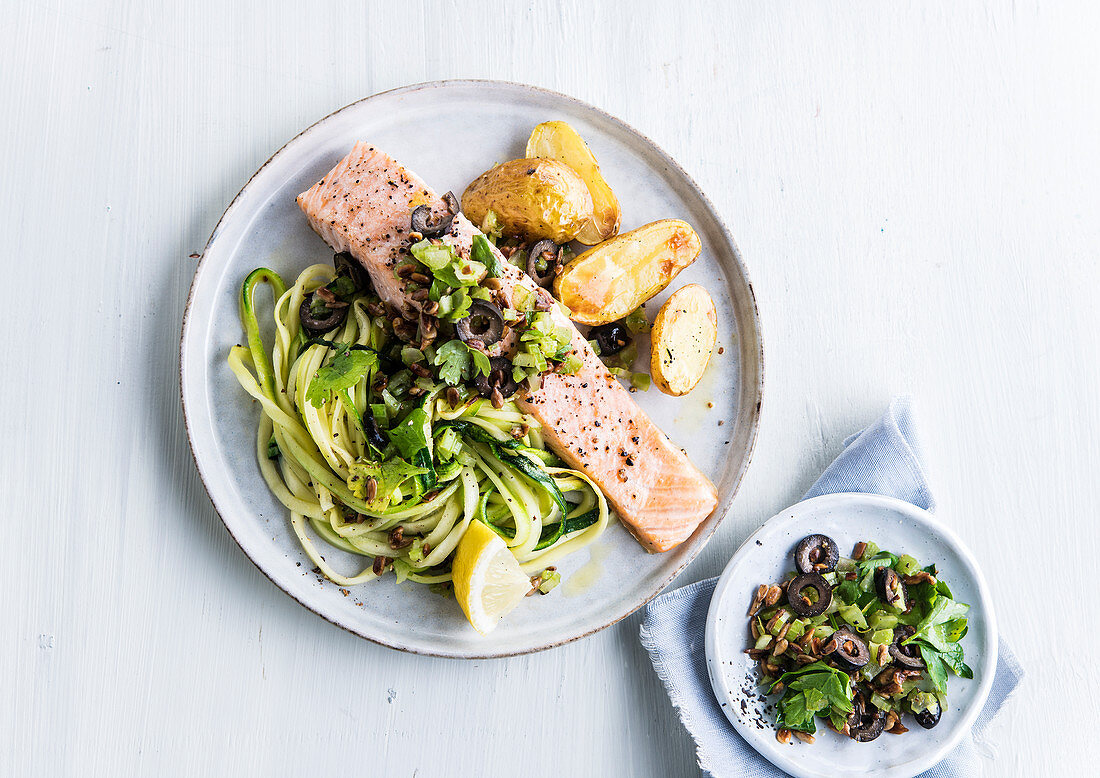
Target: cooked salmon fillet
[{"x": 589, "y": 420}]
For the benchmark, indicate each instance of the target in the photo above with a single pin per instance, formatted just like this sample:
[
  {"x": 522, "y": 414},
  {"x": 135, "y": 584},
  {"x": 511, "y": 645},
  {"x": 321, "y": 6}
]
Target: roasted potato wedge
[
  {"x": 683, "y": 339},
  {"x": 557, "y": 140},
  {"x": 610, "y": 280},
  {"x": 535, "y": 198}
]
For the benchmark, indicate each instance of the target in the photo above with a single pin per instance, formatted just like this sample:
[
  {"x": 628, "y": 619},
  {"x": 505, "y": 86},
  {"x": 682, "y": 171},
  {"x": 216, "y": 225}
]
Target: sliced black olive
[
  {"x": 805, "y": 605},
  {"x": 905, "y": 656},
  {"x": 851, "y": 652},
  {"x": 928, "y": 718},
  {"x": 816, "y": 554},
  {"x": 374, "y": 433},
  {"x": 613, "y": 338},
  {"x": 319, "y": 318},
  {"x": 421, "y": 219},
  {"x": 484, "y": 322},
  {"x": 547, "y": 254},
  {"x": 866, "y": 723},
  {"x": 890, "y": 587},
  {"x": 500, "y": 377}
]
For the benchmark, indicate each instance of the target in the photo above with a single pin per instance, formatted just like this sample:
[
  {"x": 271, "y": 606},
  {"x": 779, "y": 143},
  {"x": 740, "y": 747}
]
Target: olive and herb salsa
[
  {"x": 455, "y": 329},
  {"x": 856, "y": 641}
]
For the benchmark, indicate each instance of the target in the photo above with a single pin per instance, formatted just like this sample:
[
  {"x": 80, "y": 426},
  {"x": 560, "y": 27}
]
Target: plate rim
[
  {"x": 754, "y": 388},
  {"x": 928, "y": 521}
]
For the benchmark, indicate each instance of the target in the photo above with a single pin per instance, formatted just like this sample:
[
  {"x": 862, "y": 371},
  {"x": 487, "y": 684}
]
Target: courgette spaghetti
[{"x": 383, "y": 459}]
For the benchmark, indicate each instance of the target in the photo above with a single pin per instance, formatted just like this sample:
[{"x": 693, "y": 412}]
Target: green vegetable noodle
[{"x": 384, "y": 449}]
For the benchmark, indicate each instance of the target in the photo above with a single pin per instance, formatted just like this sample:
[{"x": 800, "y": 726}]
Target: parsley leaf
[
  {"x": 482, "y": 252},
  {"x": 811, "y": 690},
  {"x": 453, "y": 361},
  {"x": 413, "y": 433},
  {"x": 388, "y": 475},
  {"x": 344, "y": 372},
  {"x": 481, "y": 362},
  {"x": 937, "y": 674}
]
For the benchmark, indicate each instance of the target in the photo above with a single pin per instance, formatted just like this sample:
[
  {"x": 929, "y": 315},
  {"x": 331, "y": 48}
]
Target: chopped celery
[
  {"x": 854, "y": 616},
  {"x": 796, "y": 630},
  {"x": 781, "y": 618},
  {"x": 882, "y": 636},
  {"x": 880, "y": 702},
  {"x": 763, "y": 641},
  {"x": 549, "y": 578},
  {"x": 869, "y": 552},
  {"x": 880, "y": 619},
  {"x": 907, "y": 565}
]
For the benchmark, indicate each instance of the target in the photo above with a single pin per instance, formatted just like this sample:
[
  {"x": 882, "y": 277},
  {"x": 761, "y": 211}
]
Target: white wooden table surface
[{"x": 914, "y": 187}]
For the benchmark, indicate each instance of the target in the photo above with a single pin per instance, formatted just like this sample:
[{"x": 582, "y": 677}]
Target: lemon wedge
[{"x": 488, "y": 580}]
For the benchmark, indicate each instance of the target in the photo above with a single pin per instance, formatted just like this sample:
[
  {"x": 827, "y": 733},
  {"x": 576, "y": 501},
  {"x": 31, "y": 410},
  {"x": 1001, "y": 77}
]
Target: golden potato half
[
  {"x": 683, "y": 338},
  {"x": 557, "y": 140},
  {"x": 535, "y": 198},
  {"x": 610, "y": 280}
]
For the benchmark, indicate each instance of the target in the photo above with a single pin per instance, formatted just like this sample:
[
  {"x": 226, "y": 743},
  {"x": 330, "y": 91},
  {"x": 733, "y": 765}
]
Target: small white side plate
[{"x": 768, "y": 554}]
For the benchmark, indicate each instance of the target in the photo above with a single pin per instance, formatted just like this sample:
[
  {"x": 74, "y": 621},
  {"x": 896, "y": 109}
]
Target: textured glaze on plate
[
  {"x": 425, "y": 127},
  {"x": 766, "y": 556}
]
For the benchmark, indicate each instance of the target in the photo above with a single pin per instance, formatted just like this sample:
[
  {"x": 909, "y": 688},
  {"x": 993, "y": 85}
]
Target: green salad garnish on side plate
[{"x": 856, "y": 641}]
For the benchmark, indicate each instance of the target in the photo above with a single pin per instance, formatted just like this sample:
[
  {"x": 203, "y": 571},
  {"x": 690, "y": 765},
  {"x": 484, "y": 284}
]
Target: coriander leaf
[
  {"x": 413, "y": 433},
  {"x": 482, "y": 252},
  {"x": 453, "y": 361},
  {"x": 345, "y": 371}
]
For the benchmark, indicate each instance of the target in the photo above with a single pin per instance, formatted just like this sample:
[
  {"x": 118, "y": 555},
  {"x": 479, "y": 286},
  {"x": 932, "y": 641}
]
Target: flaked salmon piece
[{"x": 588, "y": 419}]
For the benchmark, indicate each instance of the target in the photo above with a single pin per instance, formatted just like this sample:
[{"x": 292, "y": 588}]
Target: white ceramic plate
[
  {"x": 767, "y": 556},
  {"x": 449, "y": 132}
]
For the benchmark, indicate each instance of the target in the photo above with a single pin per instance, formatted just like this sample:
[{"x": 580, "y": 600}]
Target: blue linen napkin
[{"x": 885, "y": 458}]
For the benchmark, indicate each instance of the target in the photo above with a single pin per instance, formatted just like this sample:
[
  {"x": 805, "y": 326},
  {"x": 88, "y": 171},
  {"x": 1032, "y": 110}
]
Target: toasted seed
[
  {"x": 805, "y": 737},
  {"x": 783, "y": 736},
  {"x": 379, "y": 565},
  {"x": 420, "y": 295},
  {"x": 773, "y": 595},
  {"x": 376, "y": 309},
  {"x": 756, "y": 653},
  {"x": 805, "y": 659},
  {"x": 898, "y": 728},
  {"x": 491, "y": 283},
  {"x": 830, "y": 647},
  {"x": 851, "y": 575},
  {"x": 758, "y": 599},
  {"x": 406, "y": 270},
  {"x": 780, "y": 647},
  {"x": 419, "y": 278},
  {"x": 398, "y": 539},
  {"x": 920, "y": 577},
  {"x": 754, "y": 628},
  {"x": 431, "y": 307},
  {"x": 415, "y": 236},
  {"x": 777, "y": 688},
  {"x": 773, "y": 620},
  {"x": 891, "y": 719},
  {"x": 857, "y": 551},
  {"x": 453, "y": 396},
  {"x": 783, "y": 632},
  {"x": 420, "y": 369}
]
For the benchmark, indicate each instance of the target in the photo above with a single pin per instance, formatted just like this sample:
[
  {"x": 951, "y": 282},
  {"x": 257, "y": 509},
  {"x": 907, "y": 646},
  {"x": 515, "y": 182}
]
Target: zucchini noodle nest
[{"x": 325, "y": 399}]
